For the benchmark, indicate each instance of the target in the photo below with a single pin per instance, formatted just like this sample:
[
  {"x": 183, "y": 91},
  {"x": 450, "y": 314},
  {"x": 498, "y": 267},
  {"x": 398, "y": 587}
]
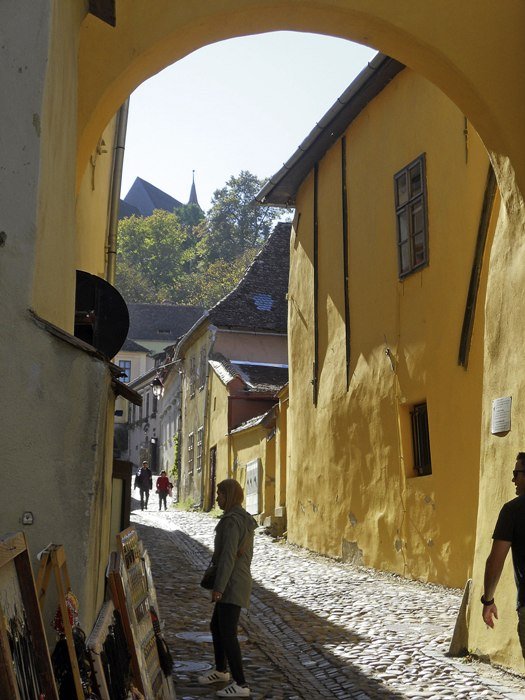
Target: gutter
[
  {"x": 282, "y": 188},
  {"x": 114, "y": 197}
]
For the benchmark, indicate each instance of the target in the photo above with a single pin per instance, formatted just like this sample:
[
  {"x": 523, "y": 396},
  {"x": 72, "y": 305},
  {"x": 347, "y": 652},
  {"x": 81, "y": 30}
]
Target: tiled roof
[
  {"x": 257, "y": 420},
  {"x": 146, "y": 197},
  {"x": 224, "y": 369},
  {"x": 161, "y": 322},
  {"x": 263, "y": 378},
  {"x": 258, "y": 302},
  {"x": 258, "y": 378}
]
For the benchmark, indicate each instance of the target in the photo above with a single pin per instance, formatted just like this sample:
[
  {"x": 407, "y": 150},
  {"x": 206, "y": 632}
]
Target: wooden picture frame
[{"x": 18, "y": 601}]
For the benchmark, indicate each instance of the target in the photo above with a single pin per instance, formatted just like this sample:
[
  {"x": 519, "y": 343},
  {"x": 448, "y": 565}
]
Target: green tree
[
  {"x": 156, "y": 252},
  {"x": 235, "y": 222}
]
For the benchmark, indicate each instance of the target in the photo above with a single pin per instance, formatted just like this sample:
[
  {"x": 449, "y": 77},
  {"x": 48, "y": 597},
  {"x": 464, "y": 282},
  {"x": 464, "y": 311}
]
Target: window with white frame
[
  {"x": 200, "y": 434},
  {"x": 411, "y": 214},
  {"x": 125, "y": 366},
  {"x": 191, "y": 440}
]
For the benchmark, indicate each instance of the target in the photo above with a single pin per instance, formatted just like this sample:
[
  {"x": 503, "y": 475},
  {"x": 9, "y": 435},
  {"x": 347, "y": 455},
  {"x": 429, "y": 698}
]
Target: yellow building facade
[
  {"x": 355, "y": 491},
  {"x": 68, "y": 74}
]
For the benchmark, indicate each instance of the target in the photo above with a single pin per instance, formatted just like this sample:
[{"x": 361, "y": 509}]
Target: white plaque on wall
[{"x": 501, "y": 415}]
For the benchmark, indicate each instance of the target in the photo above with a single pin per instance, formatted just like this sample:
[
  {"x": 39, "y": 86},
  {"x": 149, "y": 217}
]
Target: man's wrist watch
[{"x": 487, "y": 602}]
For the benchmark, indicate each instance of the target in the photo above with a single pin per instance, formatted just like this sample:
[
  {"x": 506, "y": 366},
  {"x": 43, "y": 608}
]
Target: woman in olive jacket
[{"x": 232, "y": 554}]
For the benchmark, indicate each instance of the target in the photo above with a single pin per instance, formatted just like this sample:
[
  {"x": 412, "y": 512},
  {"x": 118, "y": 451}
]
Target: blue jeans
[{"x": 144, "y": 498}]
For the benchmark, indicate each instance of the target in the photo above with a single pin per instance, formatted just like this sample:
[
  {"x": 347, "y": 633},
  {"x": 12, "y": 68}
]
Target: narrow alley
[{"x": 317, "y": 628}]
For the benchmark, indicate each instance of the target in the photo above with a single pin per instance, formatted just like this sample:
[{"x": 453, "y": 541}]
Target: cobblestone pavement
[{"x": 316, "y": 628}]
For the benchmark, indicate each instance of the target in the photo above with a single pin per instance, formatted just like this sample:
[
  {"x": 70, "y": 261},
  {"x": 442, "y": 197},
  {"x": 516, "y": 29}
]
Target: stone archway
[{"x": 473, "y": 51}]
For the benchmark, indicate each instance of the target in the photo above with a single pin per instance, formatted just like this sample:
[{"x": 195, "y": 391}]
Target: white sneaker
[
  {"x": 214, "y": 677},
  {"x": 233, "y": 691}
]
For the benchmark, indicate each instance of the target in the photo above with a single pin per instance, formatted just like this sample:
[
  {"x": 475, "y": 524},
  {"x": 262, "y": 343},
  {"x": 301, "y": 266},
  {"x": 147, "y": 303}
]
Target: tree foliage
[
  {"x": 188, "y": 257},
  {"x": 235, "y": 222}
]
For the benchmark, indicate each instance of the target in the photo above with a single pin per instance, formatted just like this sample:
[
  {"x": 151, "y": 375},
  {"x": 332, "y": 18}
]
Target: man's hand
[
  {"x": 489, "y": 613},
  {"x": 216, "y": 596}
]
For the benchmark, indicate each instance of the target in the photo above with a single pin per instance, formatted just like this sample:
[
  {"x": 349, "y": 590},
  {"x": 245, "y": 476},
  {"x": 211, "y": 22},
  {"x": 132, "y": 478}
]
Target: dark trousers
[
  {"x": 144, "y": 497},
  {"x": 226, "y": 647},
  {"x": 162, "y": 499}
]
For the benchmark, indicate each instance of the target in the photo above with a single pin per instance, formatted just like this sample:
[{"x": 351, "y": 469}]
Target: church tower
[{"x": 193, "y": 193}]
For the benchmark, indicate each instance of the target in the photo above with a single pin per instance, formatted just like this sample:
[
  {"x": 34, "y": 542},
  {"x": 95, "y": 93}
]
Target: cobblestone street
[{"x": 317, "y": 628}]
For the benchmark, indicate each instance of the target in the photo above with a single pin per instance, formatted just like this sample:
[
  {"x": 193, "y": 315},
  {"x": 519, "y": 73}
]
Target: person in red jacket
[{"x": 164, "y": 486}]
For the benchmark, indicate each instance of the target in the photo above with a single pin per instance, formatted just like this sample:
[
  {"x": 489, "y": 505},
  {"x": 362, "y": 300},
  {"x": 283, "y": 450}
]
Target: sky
[{"x": 241, "y": 104}]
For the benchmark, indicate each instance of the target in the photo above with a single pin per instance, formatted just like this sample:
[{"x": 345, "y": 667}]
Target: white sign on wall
[
  {"x": 501, "y": 409},
  {"x": 252, "y": 487}
]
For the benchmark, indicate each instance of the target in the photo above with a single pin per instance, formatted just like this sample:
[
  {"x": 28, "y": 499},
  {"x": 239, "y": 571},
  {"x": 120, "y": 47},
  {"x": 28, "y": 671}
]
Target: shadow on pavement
[{"x": 300, "y": 644}]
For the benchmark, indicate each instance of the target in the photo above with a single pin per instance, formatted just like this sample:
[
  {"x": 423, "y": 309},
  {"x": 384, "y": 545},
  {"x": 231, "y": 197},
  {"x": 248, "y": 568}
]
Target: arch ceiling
[{"x": 471, "y": 50}]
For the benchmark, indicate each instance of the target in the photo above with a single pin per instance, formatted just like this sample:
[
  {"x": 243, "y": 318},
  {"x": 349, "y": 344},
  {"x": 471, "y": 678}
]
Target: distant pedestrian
[
  {"x": 144, "y": 481},
  {"x": 509, "y": 533},
  {"x": 232, "y": 555},
  {"x": 164, "y": 487}
]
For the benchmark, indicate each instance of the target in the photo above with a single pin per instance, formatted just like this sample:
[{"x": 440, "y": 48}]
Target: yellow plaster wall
[
  {"x": 93, "y": 206},
  {"x": 193, "y": 415},
  {"x": 247, "y": 446},
  {"x": 281, "y": 449},
  {"x": 351, "y": 492},
  {"x": 54, "y": 273},
  {"x": 217, "y": 434}
]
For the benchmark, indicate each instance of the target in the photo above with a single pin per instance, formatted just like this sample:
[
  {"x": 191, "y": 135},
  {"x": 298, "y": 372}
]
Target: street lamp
[{"x": 157, "y": 387}]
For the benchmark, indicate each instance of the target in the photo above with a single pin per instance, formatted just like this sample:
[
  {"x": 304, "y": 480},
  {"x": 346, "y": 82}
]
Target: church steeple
[{"x": 193, "y": 193}]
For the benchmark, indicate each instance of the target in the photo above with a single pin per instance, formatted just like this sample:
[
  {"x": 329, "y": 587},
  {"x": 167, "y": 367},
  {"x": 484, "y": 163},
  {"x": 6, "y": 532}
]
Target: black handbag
[{"x": 208, "y": 578}]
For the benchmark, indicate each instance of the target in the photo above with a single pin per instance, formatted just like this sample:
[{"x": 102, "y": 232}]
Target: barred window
[{"x": 421, "y": 440}]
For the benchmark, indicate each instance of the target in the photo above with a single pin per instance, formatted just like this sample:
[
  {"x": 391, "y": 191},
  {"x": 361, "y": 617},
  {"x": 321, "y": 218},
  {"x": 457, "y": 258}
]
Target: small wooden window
[
  {"x": 421, "y": 440},
  {"x": 411, "y": 213}
]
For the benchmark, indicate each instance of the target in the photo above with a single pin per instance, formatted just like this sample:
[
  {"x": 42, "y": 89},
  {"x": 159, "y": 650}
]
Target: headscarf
[{"x": 233, "y": 492}]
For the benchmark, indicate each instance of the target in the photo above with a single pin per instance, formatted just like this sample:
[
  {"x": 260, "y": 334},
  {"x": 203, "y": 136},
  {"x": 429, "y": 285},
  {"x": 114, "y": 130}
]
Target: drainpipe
[
  {"x": 206, "y": 421},
  {"x": 114, "y": 197}
]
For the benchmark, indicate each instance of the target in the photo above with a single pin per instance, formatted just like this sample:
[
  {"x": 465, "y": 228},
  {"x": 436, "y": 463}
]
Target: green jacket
[{"x": 234, "y": 532}]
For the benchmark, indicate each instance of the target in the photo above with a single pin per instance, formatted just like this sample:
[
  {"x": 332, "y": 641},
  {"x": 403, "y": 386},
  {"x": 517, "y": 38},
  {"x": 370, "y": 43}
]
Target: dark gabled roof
[
  {"x": 161, "y": 322},
  {"x": 282, "y": 188},
  {"x": 258, "y": 302},
  {"x": 251, "y": 423},
  {"x": 257, "y": 378},
  {"x": 132, "y": 346},
  {"x": 145, "y": 197},
  {"x": 125, "y": 209},
  {"x": 263, "y": 378}
]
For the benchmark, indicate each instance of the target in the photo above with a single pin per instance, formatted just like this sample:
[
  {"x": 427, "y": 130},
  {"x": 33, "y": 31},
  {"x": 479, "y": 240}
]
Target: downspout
[
  {"x": 114, "y": 196},
  {"x": 206, "y": 421}
]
